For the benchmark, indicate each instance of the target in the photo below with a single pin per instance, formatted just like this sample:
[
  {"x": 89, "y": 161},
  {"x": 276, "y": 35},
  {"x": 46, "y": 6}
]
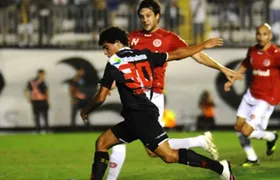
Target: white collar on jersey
[{"x": 124, "y": 48}]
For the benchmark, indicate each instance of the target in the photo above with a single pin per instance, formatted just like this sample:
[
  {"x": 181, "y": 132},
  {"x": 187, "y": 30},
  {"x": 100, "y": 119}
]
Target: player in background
[
  {"x": 261, "y": 97},
  {"x": 157, "y": 39},
  {"x": 132, "y": 70}
]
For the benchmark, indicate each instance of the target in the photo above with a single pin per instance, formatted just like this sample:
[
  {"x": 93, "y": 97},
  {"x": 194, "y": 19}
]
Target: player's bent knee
[
  {"x": 152, "y": 155},
  {"x": 101, "y": 144},
  {"x": 169, "y": 158}
]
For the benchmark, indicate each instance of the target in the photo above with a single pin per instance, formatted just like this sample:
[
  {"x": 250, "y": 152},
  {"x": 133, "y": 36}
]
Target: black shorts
[{"x": 141, "y": 125}]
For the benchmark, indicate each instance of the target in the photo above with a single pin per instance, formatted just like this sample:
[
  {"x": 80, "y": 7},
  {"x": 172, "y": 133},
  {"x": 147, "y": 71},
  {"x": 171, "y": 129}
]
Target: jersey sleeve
[
  {"x": 177, "y": 42},
  {"x": 246, "y": 61},
  {"x": 158, "y": 59},
  {"x": 107, "y": 79}
]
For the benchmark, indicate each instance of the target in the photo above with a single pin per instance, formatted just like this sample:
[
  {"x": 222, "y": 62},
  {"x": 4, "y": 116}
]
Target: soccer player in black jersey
[{"x": 132, "y": 72}]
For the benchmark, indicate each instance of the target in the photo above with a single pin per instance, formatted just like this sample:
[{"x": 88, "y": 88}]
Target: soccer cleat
[
  {"x": 210, "y": 146},
  {"x": 227, "y": 173},
  {"x": 271, "y": 145},
  {"x": 249, "y": 163}
]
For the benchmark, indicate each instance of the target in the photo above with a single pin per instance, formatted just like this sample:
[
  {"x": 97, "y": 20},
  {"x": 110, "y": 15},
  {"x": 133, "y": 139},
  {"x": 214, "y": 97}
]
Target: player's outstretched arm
[
  {"x": 98, "y": 99},
  {"x": 241, "y": 70},
  {"x": 184, "y": 52},
  {"x": 204, "y": 59}
]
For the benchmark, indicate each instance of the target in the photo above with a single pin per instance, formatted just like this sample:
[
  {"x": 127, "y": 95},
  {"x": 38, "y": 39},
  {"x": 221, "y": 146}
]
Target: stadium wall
[{"x": 184, "y": 83}]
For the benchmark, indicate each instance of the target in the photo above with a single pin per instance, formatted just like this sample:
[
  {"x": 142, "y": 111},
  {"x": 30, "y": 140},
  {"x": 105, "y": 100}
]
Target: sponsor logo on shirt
[
  {"x": 135, "y": 58},
  {"x": 116, "y": 61},
  {"x": 266, "y": 62},
  {"x": 134, "y": 41},
  {"x": 261, "y": 73},
  {"x": 157, "y": 42}
]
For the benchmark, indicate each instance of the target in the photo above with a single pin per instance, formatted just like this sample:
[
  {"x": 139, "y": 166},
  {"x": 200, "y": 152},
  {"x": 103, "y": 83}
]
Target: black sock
[
  {"x": 191, "y": 158},
  {"x": 99, "y": 165}
]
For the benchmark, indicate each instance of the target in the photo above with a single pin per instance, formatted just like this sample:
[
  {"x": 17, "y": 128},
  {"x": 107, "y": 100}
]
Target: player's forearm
[
  {"x": 206, "y": 60},
  {"x": 96, "y": 102},
  {"x": 184, "y": 52},
  {"x": 242, "y": 69}
]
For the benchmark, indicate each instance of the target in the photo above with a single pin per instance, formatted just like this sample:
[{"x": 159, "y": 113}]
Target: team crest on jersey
[
  {"x": 113, "y": 165},
  {"x": 157, "y": 42},
  {"x": 266, "y": 62},
  {"x": 252, "y": 117}
]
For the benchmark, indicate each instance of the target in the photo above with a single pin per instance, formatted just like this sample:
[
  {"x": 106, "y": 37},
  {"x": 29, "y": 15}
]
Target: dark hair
[
  {"x": 204, "y": 98},
  {"x": 151, "y": 4},
  {"x": 40, "y": 71},
  {"x": 113, "y": 34}
]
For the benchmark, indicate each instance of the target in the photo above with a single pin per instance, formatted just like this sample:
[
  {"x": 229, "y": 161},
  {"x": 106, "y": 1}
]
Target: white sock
[
  {"x": 116, "y": 161},
  {"x": 186, "y": 143},
  {"x": 267, "y": 135},
  {"x": 250, "y": 152},
  {"x": 247, "y": 147}
]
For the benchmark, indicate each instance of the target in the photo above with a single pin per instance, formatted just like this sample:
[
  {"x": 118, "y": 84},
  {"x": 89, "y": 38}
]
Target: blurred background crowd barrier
[{"x": 77, "y": 23}]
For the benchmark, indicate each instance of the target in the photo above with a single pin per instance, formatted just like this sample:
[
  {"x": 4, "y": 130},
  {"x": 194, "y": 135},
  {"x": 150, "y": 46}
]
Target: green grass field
[{"x": 69, "y": 156}]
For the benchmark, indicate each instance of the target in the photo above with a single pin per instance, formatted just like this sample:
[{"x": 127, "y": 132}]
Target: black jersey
[{"x": 132, "y": 70}]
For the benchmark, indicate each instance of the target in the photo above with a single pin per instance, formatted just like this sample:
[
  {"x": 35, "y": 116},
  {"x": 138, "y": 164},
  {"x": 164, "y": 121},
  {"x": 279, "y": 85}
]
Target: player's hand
[
  {"x": 84, "y": 116},
  {"x": 227, "y": 86},
  {"x": 114, "y": 86},
  {"x": 210, "y": 43},
  {"x": 232, "y": 75}
]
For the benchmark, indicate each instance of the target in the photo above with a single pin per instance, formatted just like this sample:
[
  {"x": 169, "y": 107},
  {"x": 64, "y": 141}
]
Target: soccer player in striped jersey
[
  {"x": 156, "y": 39},
  {"x": 132, "y": 72}
]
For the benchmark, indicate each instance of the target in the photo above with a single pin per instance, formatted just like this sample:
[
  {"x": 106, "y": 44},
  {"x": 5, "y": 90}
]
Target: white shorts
[
  {"x": 256, "y": 112},
  {"x": 158, "y": 100}
]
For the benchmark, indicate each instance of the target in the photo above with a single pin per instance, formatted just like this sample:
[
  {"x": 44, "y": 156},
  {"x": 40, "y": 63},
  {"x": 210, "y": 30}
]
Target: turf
[{"x": 69, "y": 156}]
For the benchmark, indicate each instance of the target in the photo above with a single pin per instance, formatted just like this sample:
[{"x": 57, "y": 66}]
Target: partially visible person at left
[
  {"x": 132, "y": 71},
  {"x": 36, "y": 92},
  {"x": 2, "y": 82}
]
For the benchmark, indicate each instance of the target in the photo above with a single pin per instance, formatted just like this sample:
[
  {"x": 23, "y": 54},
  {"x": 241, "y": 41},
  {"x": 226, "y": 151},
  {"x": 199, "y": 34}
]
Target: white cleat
[
  {"x": 227, "y": 173},
  {"x": 210, "y": 146}
]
